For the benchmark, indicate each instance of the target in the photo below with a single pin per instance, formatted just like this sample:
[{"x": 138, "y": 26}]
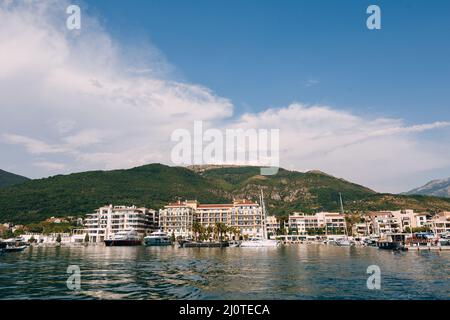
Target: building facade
[
  {"x": 440, "y": 223},
  {"x": 318, "y": 223},
  {"x": 107, "y": 221},
  {"x": 243, "y": 215},
  {"x": 382, "y": 222},
  {"x": 272, "y": 225}
]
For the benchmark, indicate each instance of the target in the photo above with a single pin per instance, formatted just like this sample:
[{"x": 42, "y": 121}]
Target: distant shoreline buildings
[{"x": 243, "y": 217}]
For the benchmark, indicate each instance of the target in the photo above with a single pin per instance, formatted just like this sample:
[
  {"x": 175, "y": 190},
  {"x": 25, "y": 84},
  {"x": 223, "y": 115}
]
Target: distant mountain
[
  {"x": 9, "y": 179},
  {"x": 155, "y": 185},
  {"x": 438, "y": 188}
]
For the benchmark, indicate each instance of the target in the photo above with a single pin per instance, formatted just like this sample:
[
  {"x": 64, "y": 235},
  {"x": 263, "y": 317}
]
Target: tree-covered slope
[
  {"x": 79, "y": 193},
  {"x": 9, "y": 179},
  {"x": 155, "y": 185}
]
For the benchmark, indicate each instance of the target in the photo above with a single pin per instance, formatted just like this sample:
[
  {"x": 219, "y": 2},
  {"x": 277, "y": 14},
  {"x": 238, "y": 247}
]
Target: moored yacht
[
  {"x": 343, "y": 242},
  {"x": 157, "y": 238},
  {"x": 392, "y": 241},
  {"x": 124, "y": 238},
  {"x": 256, "y": 242}
]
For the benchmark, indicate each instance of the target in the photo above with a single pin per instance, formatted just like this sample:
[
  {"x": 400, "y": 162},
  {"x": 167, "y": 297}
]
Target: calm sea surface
[{"x": 293, "y": 272}]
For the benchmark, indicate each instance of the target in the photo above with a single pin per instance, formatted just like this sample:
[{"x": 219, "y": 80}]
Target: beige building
[
  {"x": 178, "y": 218},
  {"x": 272, "y": 225},
  {"x": 382, "y": 222},
  {"x": 440, "y": 223}
]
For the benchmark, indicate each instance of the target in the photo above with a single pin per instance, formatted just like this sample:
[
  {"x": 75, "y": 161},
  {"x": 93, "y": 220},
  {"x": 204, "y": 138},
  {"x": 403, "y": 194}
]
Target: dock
[
  {"x": 428, "y": 248},
  {"x": 222, "y": 244}
]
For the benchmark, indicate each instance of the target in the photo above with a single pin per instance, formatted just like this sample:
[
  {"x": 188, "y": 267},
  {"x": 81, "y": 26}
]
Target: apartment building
[
  {"x": 272, "y": 225},
  {"x": 361, "y": 229},
  {"x": 440, "y": 223},
  {"x": 108, "y": 220},
  {"x": 382, "y": 222},
  {"x": 178, "y": 218},
  {"x": 326, "y": 222}
]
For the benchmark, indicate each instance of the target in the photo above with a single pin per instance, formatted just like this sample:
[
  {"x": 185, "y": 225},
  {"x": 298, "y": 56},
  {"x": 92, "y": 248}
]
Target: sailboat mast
[
  {"x": 342, "y": 212},
  {"x": 263, "y": 218}
]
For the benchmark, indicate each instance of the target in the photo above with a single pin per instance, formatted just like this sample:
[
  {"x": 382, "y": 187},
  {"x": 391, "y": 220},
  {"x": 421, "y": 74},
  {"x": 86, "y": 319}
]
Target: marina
[{"x": 299, "y": 271}]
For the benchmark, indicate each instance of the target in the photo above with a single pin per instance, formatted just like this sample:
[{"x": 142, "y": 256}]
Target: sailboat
[
  {"x": 345, "y": 242},
  {"x": 258, "y": 241}
]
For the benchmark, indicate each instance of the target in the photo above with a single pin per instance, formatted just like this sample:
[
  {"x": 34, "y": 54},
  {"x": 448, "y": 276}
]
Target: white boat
[
  {"x": 124, "y": 238},
  {"x": 234, "y": 244},
  {"x": 343, "y": 242},
  {"x": 258, "y": 241},
  {"x": 157, "y": 238}
]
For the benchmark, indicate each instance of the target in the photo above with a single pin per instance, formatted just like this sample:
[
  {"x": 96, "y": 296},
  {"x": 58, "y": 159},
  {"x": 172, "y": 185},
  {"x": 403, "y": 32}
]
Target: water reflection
[{"x": 293, "y": 272}]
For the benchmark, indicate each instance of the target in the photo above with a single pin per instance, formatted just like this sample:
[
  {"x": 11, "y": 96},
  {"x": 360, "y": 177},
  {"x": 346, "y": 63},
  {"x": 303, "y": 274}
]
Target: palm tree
[
  {"x": 236, "y": 232},
  {"x": 209, "y": 230},
  {"x": 196, "y": 229},
  {"x": 220, "y": 229}
]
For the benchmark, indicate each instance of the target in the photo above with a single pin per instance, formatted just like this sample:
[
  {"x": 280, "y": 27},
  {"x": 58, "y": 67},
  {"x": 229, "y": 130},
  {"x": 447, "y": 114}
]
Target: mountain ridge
[
  {"x": 155, "y": 185},
  {"x": 9, "y": 179},
  {"x": 436, "y": 187}
]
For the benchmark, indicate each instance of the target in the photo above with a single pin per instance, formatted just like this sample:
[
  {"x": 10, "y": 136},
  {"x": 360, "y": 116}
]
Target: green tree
[
  {"x": 86, "y": 238},
  {"x": 32, "y": 240},
  {"x": 209, "y": 231},
  {"x": 197, "y": 230},
  {"x": 58, "y": 238},
  {"x": 18, "y": 232},
  {"x": 7, "y": 234},
  {"x": 220, "y": 229}
]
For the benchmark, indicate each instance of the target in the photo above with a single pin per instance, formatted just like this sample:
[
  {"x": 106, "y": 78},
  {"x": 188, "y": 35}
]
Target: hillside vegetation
[
  {"x": 9, "y": 179},
  {"x": 155, "y": 185}
]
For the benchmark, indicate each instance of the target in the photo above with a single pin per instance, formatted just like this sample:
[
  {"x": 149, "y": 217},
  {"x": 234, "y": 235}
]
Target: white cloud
[
  {"x": 311, "y": 83},
  {"x": 50, "y": 166},
  {"x": 75, "y": 102},
  {"x": 379, "y": 153}
]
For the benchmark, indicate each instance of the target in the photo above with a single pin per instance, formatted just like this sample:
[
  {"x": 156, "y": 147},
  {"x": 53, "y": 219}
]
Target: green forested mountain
[
  {"x": 9, "y": 179},
  {"x": 154, "y": 185}
]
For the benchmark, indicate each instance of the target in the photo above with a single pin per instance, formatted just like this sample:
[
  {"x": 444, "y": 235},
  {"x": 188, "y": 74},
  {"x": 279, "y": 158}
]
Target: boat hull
[
  {"x": 259, "y": 244},
  {"x": 390, "y": 245},
  {"x": 122, "y": 243},
  {"x": 14, "y": 249},
  {"x": 157, "y": 242},
  {"x": 204, "y": 244}
]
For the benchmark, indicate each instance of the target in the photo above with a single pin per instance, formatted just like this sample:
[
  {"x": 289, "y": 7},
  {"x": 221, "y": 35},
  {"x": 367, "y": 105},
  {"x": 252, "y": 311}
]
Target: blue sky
[
  {"x": 264, "y": 54},
  {"x": 370, "y": 106}
]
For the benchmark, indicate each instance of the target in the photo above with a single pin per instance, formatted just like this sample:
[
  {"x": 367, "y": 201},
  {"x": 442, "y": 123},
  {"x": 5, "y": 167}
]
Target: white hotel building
[
  {"x": 178, "y": 218},
  {"x": 108, "y": 220},
  {"x": 330, "y": 222}
]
